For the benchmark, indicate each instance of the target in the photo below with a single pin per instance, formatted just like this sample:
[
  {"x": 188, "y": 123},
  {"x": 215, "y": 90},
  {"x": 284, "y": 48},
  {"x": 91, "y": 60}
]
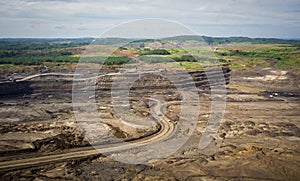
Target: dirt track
[{"x": 258, "y": 139}]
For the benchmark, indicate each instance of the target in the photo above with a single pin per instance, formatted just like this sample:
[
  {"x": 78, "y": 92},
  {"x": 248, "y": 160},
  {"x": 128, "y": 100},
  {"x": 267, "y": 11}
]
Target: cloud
[
  {"x": 60, "y": 27},
  {"x": 98, "y": 16},
  {"x": 81, "y": 29}
]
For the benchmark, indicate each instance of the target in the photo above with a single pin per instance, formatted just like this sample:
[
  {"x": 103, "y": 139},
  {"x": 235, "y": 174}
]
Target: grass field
[{"x": 245, "y": 55}]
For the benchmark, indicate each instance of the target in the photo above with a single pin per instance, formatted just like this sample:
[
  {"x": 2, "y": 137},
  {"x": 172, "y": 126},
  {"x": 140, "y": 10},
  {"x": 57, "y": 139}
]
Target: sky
[{"x": 88, "y": 18}]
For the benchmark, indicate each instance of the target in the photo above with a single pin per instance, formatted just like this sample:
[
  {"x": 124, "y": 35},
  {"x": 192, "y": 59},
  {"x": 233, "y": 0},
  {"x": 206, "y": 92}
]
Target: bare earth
[{"x": 258, "y": 139}]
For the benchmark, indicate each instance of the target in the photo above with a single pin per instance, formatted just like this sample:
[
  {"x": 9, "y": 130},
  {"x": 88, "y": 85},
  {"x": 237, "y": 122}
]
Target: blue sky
[{"x": 87, "y": 18}]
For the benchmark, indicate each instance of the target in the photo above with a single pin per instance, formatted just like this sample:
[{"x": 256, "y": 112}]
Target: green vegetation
[
  {"x": 9, "y": 68},
  {"x": 183, "y": 58},
  {"x": 238, "y": 52},
  {"x": 147, "y": 51},
  {"x": 41, "y": 44},
  {"x": 118, "y": 60},
  {"x": 37, "y": 60},
  {"x": 190, "y": 65},
  {"x": 106, "y": 60},
  {"x": 38, "y": 51},
  {"x": 56, "y": 51},
  {"x": 177, "y": 51},
  {"x": 155, "y": 59},
  {"x": 228, "y": 40},
  {"x": 247, "y": 56}
]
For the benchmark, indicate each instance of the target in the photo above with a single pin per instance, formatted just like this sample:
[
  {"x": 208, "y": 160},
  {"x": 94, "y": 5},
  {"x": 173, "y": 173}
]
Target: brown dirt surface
[{"x": 258, "y": 138}]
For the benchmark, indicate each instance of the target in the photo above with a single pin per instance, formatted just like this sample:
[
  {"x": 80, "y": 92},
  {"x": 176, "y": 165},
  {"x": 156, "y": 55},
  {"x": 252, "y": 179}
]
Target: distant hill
[
  {"x": 42, "y": 43},
  {"x": 224, "y": 40},
  {"x": 50, "y": 43},
  {"x": 209, "y": 40},
  {"x": 49, "y": 40}
]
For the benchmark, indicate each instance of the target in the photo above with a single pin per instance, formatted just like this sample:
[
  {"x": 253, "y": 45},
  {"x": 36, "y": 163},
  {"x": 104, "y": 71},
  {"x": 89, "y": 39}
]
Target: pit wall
[{"x": 64, "y": 85}]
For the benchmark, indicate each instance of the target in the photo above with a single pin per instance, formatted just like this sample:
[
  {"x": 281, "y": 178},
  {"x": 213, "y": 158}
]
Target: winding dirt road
[{"x": 164, "y": 132}]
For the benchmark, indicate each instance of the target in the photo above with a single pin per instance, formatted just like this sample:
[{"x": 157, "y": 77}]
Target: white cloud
[{"x": 91, "y": 17}]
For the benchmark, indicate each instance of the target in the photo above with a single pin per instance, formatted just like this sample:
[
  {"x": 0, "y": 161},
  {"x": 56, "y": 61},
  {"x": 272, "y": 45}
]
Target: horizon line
[{"x": 91, "y": 37}]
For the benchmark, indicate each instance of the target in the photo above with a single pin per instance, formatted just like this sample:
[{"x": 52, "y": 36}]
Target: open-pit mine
[{"x": 58, "y": 124}]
